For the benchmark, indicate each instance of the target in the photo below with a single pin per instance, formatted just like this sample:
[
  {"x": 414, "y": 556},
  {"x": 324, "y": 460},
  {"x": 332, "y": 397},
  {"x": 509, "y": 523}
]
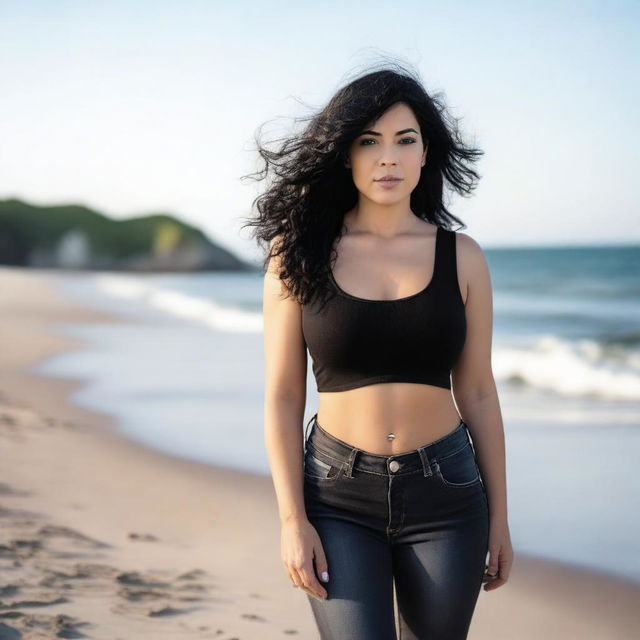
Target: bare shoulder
[
  {"x": 473, "y": 268},
  {"x": 274, "y": 286},
  {"x": 468, "y": 248}
]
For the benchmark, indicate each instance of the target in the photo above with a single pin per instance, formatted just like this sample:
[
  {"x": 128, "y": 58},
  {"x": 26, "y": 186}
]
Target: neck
[{"x": 380, "y": 219}]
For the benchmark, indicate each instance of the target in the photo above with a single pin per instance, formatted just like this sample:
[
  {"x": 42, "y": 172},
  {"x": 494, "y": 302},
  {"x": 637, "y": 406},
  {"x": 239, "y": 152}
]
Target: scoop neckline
[{"x": 345, "y": 294}]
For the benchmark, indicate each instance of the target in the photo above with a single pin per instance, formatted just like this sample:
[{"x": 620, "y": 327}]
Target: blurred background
[{"x": 125, "y": 128}]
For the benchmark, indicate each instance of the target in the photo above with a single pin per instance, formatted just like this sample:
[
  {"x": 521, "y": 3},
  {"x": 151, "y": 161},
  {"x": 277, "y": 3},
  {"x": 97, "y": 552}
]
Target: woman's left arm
[{"x": 476, "y": 397}]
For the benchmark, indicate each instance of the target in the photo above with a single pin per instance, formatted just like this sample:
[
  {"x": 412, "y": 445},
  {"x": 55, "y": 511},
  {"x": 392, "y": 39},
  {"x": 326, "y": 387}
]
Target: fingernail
[{"x": 325, "y": 576}]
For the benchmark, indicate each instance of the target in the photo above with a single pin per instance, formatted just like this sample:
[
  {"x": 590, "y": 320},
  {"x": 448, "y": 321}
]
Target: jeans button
[{"x": 394, "y": 465}]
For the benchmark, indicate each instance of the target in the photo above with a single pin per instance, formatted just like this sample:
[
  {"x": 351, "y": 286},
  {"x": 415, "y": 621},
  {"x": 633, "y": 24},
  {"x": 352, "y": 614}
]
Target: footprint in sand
[
  {"x": 8, "y": 590},
  {"x": 194, "y": 574},
  {"x": 139, "y": 590},
  {"x": 162, "y": 610},
  {"x": 38, "y": 601},
  {"x": 168, "y": 611},
  {"x": 15, "y": 624},
  {"x": 253, "y": 616},
  {"x": 142, "y": 537},
  {"x": 52, "y": 530},
  {"x": 66, "y": 543},
  {"x": 94, "y": 577},
  {"x": 27, "y": 544},
  {"x": 8, "y": 490},
  {"x": 20, "y": 548}
]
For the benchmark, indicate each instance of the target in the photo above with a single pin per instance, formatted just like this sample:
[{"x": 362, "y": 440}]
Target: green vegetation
[{"x": 34, "y": 236}]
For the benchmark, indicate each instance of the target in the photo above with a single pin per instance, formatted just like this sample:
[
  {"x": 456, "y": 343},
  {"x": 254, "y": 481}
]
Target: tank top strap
[{"x": 446, "y": 267}]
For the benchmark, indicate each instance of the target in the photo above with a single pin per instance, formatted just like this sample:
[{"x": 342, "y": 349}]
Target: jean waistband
[{"x": 351, "y": 457}]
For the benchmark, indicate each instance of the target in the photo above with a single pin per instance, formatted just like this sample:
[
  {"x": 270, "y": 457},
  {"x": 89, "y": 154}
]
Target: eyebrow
[{"x": 376, "y": 133}]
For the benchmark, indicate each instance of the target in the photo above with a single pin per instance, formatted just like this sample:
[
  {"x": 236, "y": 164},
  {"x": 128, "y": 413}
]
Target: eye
[{"x": 365, "y": 140}]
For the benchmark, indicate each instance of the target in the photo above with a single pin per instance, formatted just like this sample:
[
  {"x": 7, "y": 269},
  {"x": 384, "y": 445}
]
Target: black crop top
[{"x": 356, "y": 342}]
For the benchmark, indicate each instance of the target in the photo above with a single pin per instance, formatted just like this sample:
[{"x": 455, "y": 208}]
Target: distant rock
[{"x": 75, "y": 237}]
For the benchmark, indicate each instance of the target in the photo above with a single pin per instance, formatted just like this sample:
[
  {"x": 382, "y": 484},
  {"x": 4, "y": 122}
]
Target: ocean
[{"x": 184, "y": 374}]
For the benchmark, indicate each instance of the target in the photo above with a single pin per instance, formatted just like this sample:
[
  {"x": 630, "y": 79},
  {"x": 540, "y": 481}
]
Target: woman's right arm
[{"x": 285, "y": 397}]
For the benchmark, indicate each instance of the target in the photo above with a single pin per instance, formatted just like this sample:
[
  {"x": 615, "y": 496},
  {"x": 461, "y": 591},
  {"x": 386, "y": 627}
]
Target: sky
[{"x": 139, "y": 107}]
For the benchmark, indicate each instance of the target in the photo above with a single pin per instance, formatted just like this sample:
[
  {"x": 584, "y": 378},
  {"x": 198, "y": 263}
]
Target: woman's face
[{"x": 392, "y": 146}]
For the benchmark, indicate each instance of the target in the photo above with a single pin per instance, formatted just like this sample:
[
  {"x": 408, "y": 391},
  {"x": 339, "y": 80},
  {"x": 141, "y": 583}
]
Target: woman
[{"x": 396, "y": 487}]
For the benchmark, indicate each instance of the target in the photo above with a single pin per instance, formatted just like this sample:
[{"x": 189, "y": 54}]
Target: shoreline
[{"x": 130, "y": 541}]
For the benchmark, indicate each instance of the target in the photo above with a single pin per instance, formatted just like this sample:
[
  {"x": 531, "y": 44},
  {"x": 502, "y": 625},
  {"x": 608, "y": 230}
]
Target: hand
[
  {"x": 300, "y": 544},
  {"x": 500, "y": 555}
]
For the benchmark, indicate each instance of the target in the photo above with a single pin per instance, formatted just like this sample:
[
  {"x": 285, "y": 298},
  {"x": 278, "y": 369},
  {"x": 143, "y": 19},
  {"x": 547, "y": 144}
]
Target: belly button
[{"x": 391, "y": 436}]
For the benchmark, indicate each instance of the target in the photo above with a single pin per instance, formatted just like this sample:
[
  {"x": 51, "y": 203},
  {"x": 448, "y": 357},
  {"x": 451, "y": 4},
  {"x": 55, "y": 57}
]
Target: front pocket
[
  {"x": 317, "y": 469},
  {"x": 458, "y": 469}
]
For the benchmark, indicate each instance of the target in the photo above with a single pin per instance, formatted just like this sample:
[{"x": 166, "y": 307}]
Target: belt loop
[
  {"x": 350, "y": 462},
  {"x": 425, "y": 462},
  {"x": 307, "y": 428}
]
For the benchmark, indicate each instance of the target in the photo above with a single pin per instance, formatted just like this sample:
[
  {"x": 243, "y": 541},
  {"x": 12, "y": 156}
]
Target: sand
[{"x": 101, "y": 537}]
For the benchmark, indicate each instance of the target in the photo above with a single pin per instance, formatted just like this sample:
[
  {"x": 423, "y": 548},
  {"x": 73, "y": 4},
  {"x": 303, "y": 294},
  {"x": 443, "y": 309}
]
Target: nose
[{"x": 388, "y": 157}]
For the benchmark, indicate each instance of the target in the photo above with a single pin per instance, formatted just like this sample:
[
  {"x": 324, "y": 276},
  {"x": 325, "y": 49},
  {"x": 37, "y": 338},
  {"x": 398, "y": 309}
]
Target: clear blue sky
[{"x": 132, "y": 107}]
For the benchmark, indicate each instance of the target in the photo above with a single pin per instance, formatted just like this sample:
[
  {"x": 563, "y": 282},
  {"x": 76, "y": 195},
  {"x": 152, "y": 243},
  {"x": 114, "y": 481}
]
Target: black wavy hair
[{"x": 311, "y": 189}]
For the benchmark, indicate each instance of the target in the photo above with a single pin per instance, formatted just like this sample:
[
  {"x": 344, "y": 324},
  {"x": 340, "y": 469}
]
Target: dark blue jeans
[{"x": 417, "y": 521}]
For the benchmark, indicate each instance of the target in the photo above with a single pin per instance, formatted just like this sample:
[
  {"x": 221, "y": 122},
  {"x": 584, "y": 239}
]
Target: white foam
[
  {"x": 208, "y": 312},
  {"x": 570, "y": 368}
]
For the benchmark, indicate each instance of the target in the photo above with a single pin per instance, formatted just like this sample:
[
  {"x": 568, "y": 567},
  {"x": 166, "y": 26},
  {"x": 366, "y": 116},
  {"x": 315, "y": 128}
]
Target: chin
[
  {"x": 390, "y": 197},
  {"x": 387, "y": 201}
]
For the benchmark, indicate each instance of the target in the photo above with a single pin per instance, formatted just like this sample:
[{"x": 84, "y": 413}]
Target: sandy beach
[{"x": 103, "y": 538}]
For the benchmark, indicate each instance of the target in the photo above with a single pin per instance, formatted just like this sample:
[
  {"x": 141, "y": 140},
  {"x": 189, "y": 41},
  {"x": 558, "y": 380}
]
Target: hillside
[{"x": 76, "y": 237}]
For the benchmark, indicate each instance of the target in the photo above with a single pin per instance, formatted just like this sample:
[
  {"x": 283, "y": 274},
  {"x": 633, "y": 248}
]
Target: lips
[
  {"x": 388, "y": 183},
  {"x": 388, "y": 179}
]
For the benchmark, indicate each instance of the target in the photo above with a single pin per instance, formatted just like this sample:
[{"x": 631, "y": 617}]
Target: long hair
[{"x": 311, "y": 189}]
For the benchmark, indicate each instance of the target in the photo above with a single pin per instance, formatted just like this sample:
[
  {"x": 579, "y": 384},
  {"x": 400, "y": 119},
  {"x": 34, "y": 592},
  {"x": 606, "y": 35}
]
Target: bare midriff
[{"x": 388, "y": 418}]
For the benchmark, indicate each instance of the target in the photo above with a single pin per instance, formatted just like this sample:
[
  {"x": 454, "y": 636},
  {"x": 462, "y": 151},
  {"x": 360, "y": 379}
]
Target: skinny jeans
[{"x": 405, "y": 533}]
